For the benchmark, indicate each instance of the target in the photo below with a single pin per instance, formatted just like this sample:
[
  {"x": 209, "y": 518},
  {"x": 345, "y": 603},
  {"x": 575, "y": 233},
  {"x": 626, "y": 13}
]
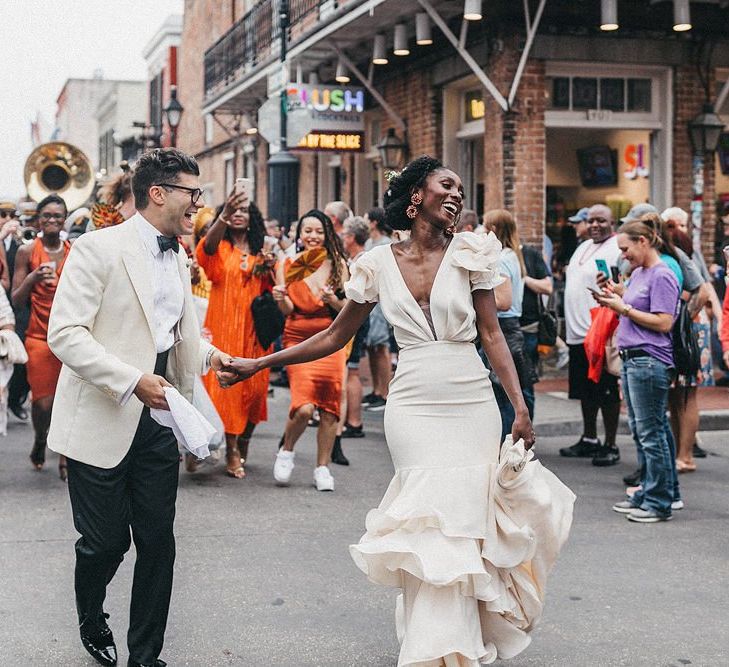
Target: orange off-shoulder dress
[
  {"x": 230, "y": 322},
  {"x": 318, "y": 382},
  {"x": 43, "y": 366}
]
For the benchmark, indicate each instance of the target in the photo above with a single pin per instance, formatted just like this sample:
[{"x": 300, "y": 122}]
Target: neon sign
[
  {"x": 322, "y": 140},
  {"x": 326, "y": 98}
]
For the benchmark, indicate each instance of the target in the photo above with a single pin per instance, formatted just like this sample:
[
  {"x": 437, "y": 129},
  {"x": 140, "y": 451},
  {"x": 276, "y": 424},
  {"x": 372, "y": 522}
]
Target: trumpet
[{"x": 25, "y": 235}]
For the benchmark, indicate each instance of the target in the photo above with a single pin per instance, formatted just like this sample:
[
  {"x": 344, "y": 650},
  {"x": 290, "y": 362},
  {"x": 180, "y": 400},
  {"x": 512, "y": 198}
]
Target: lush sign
[
  {"x": 334, "y": 99},
  {"x": 314, "y": 109}
]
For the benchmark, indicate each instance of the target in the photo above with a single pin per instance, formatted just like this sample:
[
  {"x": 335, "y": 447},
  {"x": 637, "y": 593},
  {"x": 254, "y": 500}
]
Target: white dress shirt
[{"x": 169, "y": 298}]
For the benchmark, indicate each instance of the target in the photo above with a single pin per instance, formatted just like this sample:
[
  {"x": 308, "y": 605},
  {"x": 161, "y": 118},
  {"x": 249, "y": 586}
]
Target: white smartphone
[{"x": 244, "y": 186}]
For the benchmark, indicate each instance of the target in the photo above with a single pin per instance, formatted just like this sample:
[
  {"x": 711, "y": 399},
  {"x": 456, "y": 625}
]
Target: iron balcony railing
[{"x": 253, "y": 38}]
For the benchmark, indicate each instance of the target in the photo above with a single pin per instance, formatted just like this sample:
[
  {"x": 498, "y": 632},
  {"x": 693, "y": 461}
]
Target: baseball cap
[
  {"x": 580, "y": 216},
  {"x": 638, "y": 211}
]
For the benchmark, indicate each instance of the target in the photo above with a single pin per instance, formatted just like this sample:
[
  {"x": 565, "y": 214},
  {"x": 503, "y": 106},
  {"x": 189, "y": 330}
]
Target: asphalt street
[{"x": 264, "y": 577}]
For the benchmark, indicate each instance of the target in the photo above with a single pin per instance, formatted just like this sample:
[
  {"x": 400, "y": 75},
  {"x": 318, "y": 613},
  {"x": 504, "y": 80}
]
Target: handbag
[
  {"x": 613, "y": 362},
  {"x": 547, "y": 329},
  {"x": 268, "y": 320}
]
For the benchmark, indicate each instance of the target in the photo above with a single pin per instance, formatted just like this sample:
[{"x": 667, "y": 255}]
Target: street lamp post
[
  {"x": 704, "y": 132},
  {"x": 393, "y": 150},
  {"x": 173, "y": 112},
  {"x": 283, "y": 166}
]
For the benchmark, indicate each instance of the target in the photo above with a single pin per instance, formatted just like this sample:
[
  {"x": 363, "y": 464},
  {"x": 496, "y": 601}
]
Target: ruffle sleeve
[
  {"x": 362, "y": 284},
  {"x": 480, "y": 255}
]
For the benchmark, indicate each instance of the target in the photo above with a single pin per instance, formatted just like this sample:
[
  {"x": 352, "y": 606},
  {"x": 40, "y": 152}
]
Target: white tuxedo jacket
[{"x": 101, "y": 328}]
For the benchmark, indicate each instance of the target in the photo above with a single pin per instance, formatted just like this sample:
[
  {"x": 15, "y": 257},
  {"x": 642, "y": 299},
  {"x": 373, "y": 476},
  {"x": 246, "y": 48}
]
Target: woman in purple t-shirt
[{"x": 647, "y": 310}]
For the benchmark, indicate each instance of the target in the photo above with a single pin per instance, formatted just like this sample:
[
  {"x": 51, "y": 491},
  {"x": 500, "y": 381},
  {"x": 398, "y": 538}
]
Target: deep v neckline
[{"x": 429, "y": 317}]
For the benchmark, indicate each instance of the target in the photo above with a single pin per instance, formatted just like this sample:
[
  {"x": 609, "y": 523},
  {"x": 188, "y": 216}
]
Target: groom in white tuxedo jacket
[{"x": 124, "y": 325}]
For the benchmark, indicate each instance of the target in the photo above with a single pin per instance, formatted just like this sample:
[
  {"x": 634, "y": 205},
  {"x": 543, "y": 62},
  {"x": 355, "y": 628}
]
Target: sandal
[
  {"x": 234, "y": 464},
  {"x": 38, "y": 454},
  {"x": 62, "y": 468},
  {"x": 683, "y": 466}
]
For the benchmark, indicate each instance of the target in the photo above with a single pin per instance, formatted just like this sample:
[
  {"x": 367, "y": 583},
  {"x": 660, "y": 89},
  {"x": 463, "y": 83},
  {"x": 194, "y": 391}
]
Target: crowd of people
[
  {"x": 422, "y": 287},
  {"x": 237, "y": 257}
]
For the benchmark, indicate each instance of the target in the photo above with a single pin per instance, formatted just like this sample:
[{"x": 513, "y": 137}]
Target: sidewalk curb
[{"x": 716, "y": 420}]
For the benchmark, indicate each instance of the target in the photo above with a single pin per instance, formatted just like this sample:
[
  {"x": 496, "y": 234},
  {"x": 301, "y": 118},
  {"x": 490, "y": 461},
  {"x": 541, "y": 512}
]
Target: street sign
[{"x": 313, "y": 108}]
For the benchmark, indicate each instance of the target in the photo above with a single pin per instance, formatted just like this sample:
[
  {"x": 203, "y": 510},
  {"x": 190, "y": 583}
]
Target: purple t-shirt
[{"x": 653, "y": 290}]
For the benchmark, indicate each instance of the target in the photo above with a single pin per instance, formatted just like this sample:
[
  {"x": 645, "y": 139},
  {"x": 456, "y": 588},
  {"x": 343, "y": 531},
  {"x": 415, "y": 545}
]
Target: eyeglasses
[
  {"x": 195, "y": 193},
  {"x": 7, "y": 214},
  {"x": 47, "y": 217}
]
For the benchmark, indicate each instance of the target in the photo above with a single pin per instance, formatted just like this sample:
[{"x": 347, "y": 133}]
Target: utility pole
[{"x": 283, "y": 167}]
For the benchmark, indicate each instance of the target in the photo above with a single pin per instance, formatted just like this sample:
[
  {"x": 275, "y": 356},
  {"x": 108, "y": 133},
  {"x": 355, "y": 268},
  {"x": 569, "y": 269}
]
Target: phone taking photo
[{"x": 243, "y": 186}]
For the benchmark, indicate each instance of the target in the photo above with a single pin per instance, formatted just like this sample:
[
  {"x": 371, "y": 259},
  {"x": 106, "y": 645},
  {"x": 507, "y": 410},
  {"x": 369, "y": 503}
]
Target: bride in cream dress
[{"x": 467, "y": 529}]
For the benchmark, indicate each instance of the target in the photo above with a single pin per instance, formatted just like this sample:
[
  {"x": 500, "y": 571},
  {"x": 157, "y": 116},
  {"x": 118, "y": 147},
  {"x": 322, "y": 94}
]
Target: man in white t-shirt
[{"x": 580, "y": 276}]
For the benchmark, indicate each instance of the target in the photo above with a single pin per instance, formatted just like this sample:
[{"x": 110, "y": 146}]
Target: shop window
[
  {"x": 612, "y": 94},
  {"x": 229, "y": 171},
  {"x": 639, "y": 94},
  {"x": 584, "y": 93},
  {"x": 615, "y": 94},
  {"x": 560, "y": 92}
]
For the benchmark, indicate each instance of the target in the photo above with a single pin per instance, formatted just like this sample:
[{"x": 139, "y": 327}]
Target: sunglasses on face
[
  {"x": 195, "y": 193},
  {"x": 7, "y": 214},
  {"x": 47, "y": 217}
]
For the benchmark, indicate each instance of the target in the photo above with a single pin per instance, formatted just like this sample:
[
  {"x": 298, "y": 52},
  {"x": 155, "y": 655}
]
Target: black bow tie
[{"x": 168, "y": 243}]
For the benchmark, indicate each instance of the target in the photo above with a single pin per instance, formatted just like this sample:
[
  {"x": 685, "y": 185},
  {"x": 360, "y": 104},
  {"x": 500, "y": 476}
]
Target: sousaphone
[{"x": 61, "y": 168}]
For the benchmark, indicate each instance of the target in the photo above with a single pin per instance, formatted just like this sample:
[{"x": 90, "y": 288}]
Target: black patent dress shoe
[
  {"x": 633, "y": 479},
  {"x": 607, "y": 456},
  {"x": 98, "y": 640},
  {"x": 338, "y": 456},
  {"x": 156, "y": 663},
  {"x": 19, "y": 411},
  {"x": 699, "y": 452},
  {"x": 581, "y": 449}
]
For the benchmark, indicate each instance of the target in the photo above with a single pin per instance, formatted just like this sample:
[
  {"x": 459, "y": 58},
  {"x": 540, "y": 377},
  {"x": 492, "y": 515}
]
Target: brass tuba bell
[{"x": 61, "y": 168}]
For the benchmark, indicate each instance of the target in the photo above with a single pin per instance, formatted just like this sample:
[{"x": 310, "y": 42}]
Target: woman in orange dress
[
  {"x": 310, "y": 304},
  {"x": 38, "y": 267},
  {"x": 232, "y": 257}
]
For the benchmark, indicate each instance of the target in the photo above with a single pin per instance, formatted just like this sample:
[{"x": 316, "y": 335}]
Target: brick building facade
[{"x": 518, "y": 151}]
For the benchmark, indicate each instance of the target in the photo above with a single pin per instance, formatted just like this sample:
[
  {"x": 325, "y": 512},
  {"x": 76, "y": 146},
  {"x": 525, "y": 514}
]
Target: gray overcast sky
[{"x": 45, "y": 42}]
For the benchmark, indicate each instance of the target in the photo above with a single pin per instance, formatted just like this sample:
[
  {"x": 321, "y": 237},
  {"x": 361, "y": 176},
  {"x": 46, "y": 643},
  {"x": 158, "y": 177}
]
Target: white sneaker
[
  {"x": 283, "y": 467},
  {"x": 677, "y": 505},
  {"x": 323, "y": 480}
]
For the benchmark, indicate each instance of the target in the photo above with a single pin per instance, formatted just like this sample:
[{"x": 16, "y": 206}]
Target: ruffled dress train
[{"x": 468, "y": 534}]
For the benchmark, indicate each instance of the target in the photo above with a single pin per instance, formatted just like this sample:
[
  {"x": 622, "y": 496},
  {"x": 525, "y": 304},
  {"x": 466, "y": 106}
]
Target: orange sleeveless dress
[
  {"x": 230, "y": 322},
  {"x": 43, "y": 367},
  {"x": 318, "y": 382}
]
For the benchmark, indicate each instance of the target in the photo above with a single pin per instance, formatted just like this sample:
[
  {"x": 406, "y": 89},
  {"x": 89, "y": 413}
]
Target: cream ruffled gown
[{"x": 470, "y": 554}]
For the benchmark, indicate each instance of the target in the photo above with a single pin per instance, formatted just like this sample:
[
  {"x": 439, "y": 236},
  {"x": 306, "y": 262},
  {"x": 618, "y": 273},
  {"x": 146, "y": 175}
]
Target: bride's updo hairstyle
[{"x": 402, "y": 186}]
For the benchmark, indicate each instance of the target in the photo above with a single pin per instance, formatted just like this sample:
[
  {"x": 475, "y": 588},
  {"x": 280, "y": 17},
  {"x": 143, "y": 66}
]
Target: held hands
[
  {"x": 151, "y": 391},
  {"x": 237, "y": 369},
  {"x": 523, "y": 430}
]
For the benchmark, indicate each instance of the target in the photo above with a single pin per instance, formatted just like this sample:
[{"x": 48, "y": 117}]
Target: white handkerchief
[{"x": 191, "y": 429}]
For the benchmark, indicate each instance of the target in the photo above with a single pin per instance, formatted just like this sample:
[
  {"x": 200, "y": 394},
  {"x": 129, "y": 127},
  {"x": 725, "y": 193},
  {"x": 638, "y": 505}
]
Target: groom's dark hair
[{"x": 161, "y": 165}]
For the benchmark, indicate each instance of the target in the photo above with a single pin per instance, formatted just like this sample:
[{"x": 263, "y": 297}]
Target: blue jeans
[{"x": 645, "y": 384}]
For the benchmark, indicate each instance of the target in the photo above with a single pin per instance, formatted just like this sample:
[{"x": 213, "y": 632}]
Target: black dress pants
[{"x": 138, "y": 494}]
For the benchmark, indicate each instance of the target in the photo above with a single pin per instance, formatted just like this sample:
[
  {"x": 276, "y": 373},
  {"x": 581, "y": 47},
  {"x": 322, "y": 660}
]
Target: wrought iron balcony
[{"x": 253, "y": 38}]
